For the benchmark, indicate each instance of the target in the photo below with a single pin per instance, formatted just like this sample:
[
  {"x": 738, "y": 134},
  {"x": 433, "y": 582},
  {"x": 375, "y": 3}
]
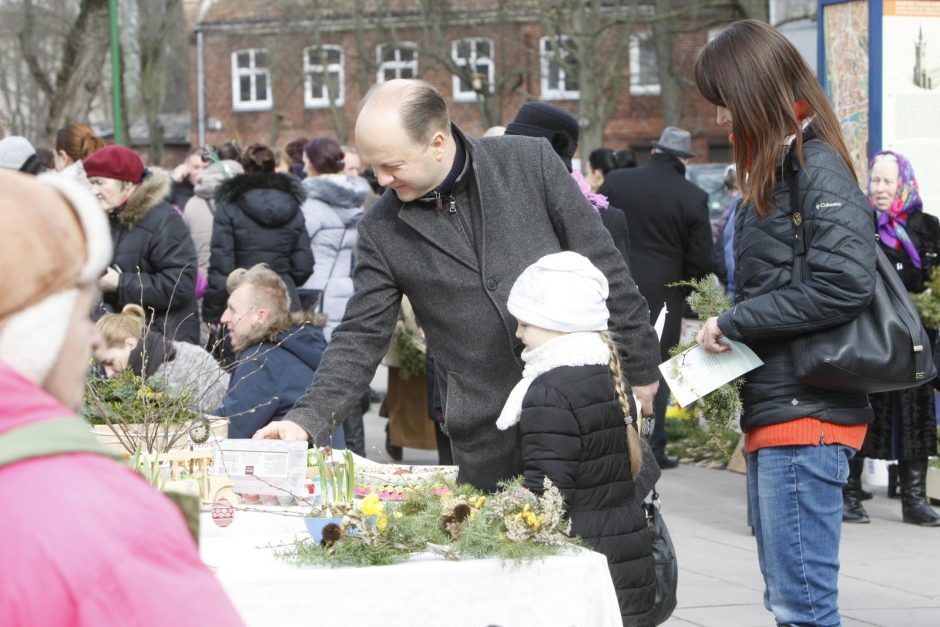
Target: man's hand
[
  {"x": 109, "y": 281},
  {"x": 708, "y": 335},
  {"x": 180, "y": 172},
  {"x": 646, "y": 393},
  {"x": 281, "y": 430}
]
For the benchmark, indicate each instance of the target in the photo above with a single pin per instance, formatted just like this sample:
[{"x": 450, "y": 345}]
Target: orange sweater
[{"x": 804, "y": 431}]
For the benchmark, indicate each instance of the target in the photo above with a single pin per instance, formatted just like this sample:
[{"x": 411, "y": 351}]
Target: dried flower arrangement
[{"x": 514, "y": 524}]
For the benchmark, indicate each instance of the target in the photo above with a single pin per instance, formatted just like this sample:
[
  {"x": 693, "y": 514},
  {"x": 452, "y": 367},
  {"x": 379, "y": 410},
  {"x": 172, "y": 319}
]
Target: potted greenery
[
  {"x": 334, "y": 513},
  {"x": 131, "y": 413}
]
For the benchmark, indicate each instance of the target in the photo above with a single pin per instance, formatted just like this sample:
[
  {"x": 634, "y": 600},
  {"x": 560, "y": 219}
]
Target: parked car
[{"x": 710, "y": 177}]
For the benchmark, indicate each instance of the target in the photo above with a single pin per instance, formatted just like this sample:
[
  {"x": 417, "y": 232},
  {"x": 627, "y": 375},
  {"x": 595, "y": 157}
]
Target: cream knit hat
[
  {"x": 561, "y": 292},
  {"x": 53, "y": 239}
]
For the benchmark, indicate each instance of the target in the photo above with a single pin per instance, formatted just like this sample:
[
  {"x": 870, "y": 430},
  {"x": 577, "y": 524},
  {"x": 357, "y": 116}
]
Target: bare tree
[
  {"x": 494, "y": 31},
  {"x": 69, "y": 88},
  {"x": 157, "y": 21},
  {"x": 592, "y": 44}
]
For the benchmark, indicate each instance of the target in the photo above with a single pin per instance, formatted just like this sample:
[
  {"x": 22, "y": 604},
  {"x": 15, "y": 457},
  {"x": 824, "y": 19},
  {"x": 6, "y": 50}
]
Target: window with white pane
[
  {"x": 397, "y": 61},
  {"x": 559, "y": 69},
  {"x": 251, "y": 80},
  {"x": 644, "y": 68},
  {"x": 324, "y": 76},
  {"x": 474, "y": 57}
]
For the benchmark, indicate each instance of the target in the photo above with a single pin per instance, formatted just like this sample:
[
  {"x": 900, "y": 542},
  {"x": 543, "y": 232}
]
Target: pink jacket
[{"x": 86, "y": 541}]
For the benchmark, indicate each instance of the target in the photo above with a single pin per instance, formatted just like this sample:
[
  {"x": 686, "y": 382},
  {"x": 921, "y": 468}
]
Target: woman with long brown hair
[{"x": 798, "y": 439}]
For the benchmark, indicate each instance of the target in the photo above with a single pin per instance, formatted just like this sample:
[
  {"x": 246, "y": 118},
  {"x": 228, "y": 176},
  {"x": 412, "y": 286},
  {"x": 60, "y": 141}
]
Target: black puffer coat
[
  {"x": 257, "y": 220},
  {"x": 572, "y": 430},
  {"x": 769, "y": 313},
  {"x": 157, "y": 258},
  {"x": 670, "y": 236},
  {"x": 905, "y": 426}
]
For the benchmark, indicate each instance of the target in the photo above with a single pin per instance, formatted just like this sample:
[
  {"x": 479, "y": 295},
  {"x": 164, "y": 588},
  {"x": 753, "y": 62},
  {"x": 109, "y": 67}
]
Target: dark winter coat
[
  {"x": 769, "y": 313},
  {"x": 157, "y": 259},
  {"x": 905, "y": 426},
  {"x": 269, "y": 378},
  {"x": 615, "y": 222},
  {"x": 670, "y": 235},
  {"x": 257, "y": 220},
  {"x": 572, "y": 431},
  {"x": 528, "y": 206},
  {"x": 180, "y": 193}
]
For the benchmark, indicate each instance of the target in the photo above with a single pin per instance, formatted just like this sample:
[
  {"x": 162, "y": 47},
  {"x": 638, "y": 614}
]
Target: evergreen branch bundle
[{"x": 718, "y": 409}]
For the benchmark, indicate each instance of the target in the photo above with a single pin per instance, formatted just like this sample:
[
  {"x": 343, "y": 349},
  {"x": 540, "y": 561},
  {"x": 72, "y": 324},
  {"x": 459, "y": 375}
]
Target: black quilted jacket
[
  {"x": 769, "y": 313},
  {"x": 572, "y": 430},
  {"x": 257, "y": 220},
  {"x": 157, "y": 259}
]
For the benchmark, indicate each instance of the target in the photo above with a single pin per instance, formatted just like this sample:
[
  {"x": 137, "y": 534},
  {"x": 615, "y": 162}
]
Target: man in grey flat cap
[{"x": 670, "y": 240}]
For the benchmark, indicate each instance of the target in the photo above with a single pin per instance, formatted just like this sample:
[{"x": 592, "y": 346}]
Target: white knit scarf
[{"x": 572, "y": 349}]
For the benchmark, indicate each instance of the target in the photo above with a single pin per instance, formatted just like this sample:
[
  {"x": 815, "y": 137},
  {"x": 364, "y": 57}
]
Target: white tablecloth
[{"x": 574, "y": 589}]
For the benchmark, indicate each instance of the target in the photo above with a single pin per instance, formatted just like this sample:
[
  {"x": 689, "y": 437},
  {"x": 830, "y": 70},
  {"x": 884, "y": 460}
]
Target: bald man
[{"x": 459, "y": 221}]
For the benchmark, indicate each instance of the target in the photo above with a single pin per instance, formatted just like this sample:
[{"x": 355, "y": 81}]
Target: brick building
[{"x": 275, "y": 71}]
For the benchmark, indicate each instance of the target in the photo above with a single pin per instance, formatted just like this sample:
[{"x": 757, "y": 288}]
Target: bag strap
[
  {"x": 791, "y": 168},
  {"x": 48, "y": 438}
]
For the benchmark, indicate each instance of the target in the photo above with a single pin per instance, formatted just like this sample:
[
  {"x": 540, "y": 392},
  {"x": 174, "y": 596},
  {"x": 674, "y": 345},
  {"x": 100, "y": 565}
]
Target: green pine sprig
[{"x": 718, "y": 409}]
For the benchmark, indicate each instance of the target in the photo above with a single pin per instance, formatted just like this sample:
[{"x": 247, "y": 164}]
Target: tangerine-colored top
[{"x": 803, "y": 432}]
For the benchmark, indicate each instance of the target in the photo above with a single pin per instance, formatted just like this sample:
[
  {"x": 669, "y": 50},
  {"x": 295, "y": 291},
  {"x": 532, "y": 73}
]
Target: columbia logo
[{"x": 827, "y": 205}]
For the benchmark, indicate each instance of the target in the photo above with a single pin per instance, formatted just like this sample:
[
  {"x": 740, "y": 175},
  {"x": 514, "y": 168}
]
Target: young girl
[
  {"x": 574, "y": 421},
  {"x": 181, "y": 366}
]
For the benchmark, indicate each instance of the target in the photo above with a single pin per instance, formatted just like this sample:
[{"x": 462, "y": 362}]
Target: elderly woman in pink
[
  {"x": 905, "y": 425},
  {"x": 84, "y": 539}
]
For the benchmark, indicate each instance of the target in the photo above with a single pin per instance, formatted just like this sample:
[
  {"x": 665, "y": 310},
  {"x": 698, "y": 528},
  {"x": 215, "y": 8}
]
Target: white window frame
[
  {"x": 323, "y": 100},
  {"x": 475, "y": 61},
  {"x": 253, "y": 72},
  {"x": 397, "y": 64},
  {"x": 545, "y": 58},
  {"x": 637, "y": 88}
]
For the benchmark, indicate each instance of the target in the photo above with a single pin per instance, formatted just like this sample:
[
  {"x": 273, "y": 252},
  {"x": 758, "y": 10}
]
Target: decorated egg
[{"x": 222, "y": 513}]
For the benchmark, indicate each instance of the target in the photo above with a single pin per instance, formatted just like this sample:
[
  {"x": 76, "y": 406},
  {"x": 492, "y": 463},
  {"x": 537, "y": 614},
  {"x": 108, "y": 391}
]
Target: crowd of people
[{"x": 511, "y": 296}]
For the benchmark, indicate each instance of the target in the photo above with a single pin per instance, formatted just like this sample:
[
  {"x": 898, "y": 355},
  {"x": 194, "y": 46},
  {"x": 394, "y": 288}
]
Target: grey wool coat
[{"x": 530, "y": 207}]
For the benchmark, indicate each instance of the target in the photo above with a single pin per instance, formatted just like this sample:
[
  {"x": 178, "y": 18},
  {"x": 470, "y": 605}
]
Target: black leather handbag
[{"x": 885, "y": 348}]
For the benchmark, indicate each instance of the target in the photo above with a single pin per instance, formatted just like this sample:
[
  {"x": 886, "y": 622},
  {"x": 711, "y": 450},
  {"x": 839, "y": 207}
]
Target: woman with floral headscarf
[{"x": 905, "y": 426}]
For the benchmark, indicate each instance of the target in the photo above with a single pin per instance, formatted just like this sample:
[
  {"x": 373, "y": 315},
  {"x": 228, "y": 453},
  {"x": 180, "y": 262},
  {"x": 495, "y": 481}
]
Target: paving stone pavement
[{"x": 890, "y": 575}]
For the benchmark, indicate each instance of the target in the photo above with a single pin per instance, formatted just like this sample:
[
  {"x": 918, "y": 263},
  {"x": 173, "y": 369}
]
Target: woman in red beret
[{"x": 154, "y": 263}]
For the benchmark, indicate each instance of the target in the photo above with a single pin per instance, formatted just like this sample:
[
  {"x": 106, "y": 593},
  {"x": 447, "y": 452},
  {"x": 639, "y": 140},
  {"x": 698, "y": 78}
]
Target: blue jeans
[{"x": 795, "y": 496}]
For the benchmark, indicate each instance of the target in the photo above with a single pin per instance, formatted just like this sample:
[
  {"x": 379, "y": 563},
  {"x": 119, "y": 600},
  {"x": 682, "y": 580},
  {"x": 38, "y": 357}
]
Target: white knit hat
[
  {"x": 15, "y": 151},
  {"x": 561, "y": 292},
  {"x": 56, "y": 231}
]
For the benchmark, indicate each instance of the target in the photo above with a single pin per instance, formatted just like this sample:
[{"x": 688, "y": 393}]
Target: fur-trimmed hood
[
  {"x": 153, "y": 191},
  {"x": 230, "y": 190},
  {"x": 271, "y": 200},
  {"x": 338, "y": 190}
]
